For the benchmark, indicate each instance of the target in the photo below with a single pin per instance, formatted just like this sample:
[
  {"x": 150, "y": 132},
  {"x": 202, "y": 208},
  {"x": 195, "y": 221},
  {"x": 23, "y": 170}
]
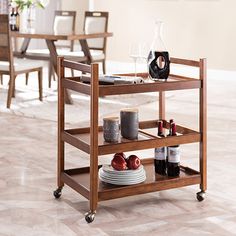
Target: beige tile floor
[{"x": 28, "y": 172}]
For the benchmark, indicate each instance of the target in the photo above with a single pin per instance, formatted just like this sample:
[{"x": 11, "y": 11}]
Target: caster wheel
[
  {"x": 90, "y": 216},
  {"x": 200, "y": 196},
  {"x": 57, "y": 193}
]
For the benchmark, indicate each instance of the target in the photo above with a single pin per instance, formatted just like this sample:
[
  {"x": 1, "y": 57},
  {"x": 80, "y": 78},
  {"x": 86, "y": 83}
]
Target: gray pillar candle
[
  {"x": 129, "y": 123},
  {"x": 111, "y": 129}
]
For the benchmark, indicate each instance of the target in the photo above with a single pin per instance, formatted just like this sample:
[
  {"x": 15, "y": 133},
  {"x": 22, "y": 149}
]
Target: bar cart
[{"x": 85, "y": 180}]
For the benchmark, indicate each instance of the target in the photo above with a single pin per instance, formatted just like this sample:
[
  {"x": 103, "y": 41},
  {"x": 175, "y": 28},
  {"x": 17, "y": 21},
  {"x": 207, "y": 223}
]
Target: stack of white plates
[{"x": 124, "y": 177}]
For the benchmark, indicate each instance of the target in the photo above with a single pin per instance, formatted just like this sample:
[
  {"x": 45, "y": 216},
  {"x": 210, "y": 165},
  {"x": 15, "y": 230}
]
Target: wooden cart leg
[
  {"x": 203, "y": 131},
  {"x": 93, "y": 195},
  {"x": 61, "y": 119},
  {"x": 162, "y": 107}
]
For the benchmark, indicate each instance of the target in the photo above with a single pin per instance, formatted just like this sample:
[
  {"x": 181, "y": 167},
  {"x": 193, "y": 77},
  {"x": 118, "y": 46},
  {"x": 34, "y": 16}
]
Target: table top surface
[{"x": 52, "y": 36}]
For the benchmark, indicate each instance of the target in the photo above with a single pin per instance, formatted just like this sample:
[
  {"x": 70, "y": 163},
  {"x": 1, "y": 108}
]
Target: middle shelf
[{"x": 80, "y": 138}]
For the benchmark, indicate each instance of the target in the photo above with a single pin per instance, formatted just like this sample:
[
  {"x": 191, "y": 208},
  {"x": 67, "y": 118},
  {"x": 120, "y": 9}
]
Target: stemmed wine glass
[
  {"x": 139, "y": 52},
  {"x": 134, "y": 53}
]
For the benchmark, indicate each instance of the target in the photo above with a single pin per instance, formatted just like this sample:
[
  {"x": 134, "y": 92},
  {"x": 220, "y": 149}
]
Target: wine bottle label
[
  {"x": 13, "y": 20},
  {"x": 160, "y": 153},
  {"x": 174, "y": 154}
]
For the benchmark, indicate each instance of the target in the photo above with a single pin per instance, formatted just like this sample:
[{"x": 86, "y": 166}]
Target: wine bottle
[
  {"x": 173, "y": 164},
  {"x": 160, "y": 154},
  {"x": 17, "y": 17},
  {"x": 12, "y": 20},
  {"x": 169, "y": 134}
]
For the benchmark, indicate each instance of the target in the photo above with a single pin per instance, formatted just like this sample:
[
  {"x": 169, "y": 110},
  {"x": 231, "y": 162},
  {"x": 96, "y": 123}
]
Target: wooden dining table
[{"x": 51, "y": 38}]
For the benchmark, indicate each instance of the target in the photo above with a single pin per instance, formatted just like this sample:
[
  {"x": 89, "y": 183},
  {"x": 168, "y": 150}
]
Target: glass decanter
[{"x": 158, "y": 58}]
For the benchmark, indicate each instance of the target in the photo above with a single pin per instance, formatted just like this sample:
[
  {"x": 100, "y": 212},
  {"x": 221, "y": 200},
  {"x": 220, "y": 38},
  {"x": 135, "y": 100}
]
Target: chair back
[
  {"x": 64, "y": 24},
  {"x": 5, "y": 41},
  {"x": 96, "y": 22}
]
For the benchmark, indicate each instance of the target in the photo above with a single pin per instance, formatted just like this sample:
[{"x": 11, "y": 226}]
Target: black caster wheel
[
  {"x": 201, "y": 196},
  {"x": 90, "y": 216},
  {"x": 57, "y": 193}
]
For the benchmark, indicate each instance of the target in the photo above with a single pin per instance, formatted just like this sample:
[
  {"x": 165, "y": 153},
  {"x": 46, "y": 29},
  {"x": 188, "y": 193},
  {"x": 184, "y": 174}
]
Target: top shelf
[{"x": 174, "y": 82}]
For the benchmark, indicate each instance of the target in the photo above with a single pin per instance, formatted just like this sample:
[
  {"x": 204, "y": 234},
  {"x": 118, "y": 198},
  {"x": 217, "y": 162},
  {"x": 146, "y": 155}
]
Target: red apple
[
  {"x": 118, "y": 162},
  {"x": 120, "y": 154},
  {"x": 133, "y": 162}
]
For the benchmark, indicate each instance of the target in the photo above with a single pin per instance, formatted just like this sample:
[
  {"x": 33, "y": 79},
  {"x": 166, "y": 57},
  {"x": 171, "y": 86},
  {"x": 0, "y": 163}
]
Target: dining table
[{"x": 50, "y": 39}]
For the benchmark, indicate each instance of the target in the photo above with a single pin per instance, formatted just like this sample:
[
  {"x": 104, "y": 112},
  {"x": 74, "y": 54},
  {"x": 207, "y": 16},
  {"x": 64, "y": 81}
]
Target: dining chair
[
  {"x": 14, "y": 66},
  {"x": 94, "y": 22},
  {"x": 97, "y": 22},
  {"x": 64, "y": 24}
]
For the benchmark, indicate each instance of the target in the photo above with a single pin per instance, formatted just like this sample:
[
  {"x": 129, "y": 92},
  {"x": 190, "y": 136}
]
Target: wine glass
[
  {"x": 144, "y": 52},
  {"x": 134, "y": 53}
]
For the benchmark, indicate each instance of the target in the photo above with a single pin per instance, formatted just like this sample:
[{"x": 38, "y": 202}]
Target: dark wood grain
[
  {"x": 94, "y": 138},
  {"x": 106, "y": 90},
  {"x": 61, "y": 124}
]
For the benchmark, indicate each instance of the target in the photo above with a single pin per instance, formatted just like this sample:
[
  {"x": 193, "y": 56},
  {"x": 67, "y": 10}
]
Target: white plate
[
  {"x": 110, "y": 169},
  {"x": 121, "y": 176},
  {"x": 123, "y": 182},
  {"x": 128, "y": 177},
  {"x": 113, "y": 176}
]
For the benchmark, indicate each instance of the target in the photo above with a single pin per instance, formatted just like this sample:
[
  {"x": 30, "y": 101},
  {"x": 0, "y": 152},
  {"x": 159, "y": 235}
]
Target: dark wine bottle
[
  {"x": 12, "y": 20},
  {"x": 169, "y": 134},
  {"x": 173, "y": 164},
  {"x": 160, "y": 154}
]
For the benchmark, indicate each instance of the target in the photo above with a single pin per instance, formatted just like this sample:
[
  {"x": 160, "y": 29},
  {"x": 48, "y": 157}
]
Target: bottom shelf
[{"x": 78, "y": 179}]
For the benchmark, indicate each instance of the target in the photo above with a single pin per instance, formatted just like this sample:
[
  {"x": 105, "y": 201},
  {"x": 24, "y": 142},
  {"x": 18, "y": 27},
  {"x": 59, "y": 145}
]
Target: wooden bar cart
[{"x": 85, "y": 180}]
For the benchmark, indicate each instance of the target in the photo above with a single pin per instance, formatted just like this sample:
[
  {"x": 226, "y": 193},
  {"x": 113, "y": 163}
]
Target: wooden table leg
[
  {"x": 86, "y": 51},
  {"x": 53, "y": 54},
  {"x": 25, "y": 45}
]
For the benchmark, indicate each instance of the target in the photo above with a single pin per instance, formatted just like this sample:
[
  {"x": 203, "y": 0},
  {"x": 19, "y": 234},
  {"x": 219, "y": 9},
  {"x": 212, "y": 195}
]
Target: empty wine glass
[
  {"x": 144, "y": 51},
  {"x": 134, "y": 53}
]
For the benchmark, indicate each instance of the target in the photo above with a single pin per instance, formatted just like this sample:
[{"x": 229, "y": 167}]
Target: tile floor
[{"x": 28, "y": 172}]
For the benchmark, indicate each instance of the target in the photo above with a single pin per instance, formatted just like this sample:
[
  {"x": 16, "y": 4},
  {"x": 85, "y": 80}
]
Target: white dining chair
[
  {"x": 64, "y": 24},
  {"x": 94, "y": 22},
  {"x": 14, "y": 66}
]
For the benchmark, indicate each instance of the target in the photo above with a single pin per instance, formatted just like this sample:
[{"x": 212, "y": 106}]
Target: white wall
[
  {"x": 80, "y": 6},
  {"x": 3, "y": 6},
  {"x": 193, "y": 28}
]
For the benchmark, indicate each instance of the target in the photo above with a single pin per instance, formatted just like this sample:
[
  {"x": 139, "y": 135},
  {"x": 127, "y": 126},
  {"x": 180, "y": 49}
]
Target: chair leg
[
  {"x": 104, "y": 66},
  {"x": 10, "y": 90},
  {"x": 40, "y": 79},
  {"x": 14, "y": 87},
  {"x": 51, "y": 74},
  {"x": 26, "y": 78},
  {"x": 1, "y": 79}
]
